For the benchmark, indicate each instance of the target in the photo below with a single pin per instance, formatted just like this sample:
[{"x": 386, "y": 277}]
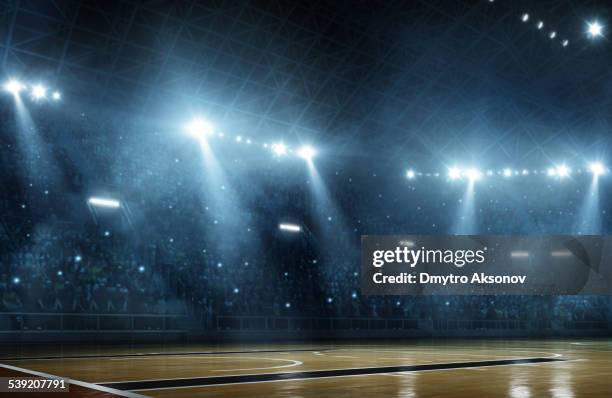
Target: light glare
[
  {"x": 597, "y": 168},
  {"x": 562, "y": 171},
  {"x": 306, "y": 153},
  {"x": 473, "y": 174},
  {"x": 289, "y": 227},
  {"x": 199, "y": 128},
  {"x": 39, "y": 91},
  {"x": 103, "y": 202},
  {"x": 13, "y": 86},
  {"x": 454, "y": 173},
  {"x": 595, "y": 29},
  {"x": 279, "y": 149}
]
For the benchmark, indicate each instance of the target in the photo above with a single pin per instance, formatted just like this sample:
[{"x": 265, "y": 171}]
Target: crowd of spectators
[{"x": 199, "y": 239}]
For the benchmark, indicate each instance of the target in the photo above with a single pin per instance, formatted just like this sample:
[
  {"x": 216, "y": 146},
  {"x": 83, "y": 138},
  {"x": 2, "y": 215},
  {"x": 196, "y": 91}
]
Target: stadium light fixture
[
  {"x": 279, "y": 149},
  {"x": 103, "y": 202},
  {"x": 454, "y": 173},
  {"x": 552, "y": 172},
  {"x": 307, "y": 153},
  {"x": 565, "y": 43},
  {"x": 410, "y": 174},
  {"x": 507, "y": 173},
  {"x": 540, "y": 25},
  {"x": 525, "y": 17},
  {"x": 289, "y": 227},
  {"x": 597, "y": 168},
  {"x": 39, "y": 92},
  {"x": 473, "y": 174},
  {"x": 13, "y": 86},
  {"x": 594, "y": 29},
  {"x": 56, "y": 96},
  {"x": 563, "y": 171},
  {"x": 199, "y": 128},
  {"x": 552, "y": 34}
]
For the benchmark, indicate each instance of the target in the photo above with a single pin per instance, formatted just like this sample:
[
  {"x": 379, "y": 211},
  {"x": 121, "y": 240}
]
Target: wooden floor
[{"x": 518, "y": 369}]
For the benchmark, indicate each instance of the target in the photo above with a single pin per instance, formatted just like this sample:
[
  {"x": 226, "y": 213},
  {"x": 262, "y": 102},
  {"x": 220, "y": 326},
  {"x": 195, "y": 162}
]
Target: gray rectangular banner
[{"x": 486, "y": 265}]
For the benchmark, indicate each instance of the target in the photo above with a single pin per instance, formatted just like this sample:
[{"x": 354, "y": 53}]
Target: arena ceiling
[{"x": 420, "y": 80}]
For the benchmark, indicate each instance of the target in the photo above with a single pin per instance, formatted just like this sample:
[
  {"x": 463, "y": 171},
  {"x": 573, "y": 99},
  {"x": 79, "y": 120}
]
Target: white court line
[
  {"x": 291, "y": 364},
  {"x": 291, "y": 361},
  {"x": 91, "y": 386}
]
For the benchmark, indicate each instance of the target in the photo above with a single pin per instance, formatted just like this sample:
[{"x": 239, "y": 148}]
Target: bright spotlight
[
  {"x": 473, "y": 174},
  {"x": 551, "y": 172},
  {"x": 410, "y": 174},
  {"x": 306, "y": 153},
  {"x": 597, "y": 168},
  {"x": 595, "y": 29},
  {"x": 552, "y": 34},
  {"x": 289, "y": 227},
  {"x": 103, "y": 202},
  {"x": 39, "y": 92},
  {"x": 540, "y": 25},
  {"x": 525, "y": 172},
  {"x": 199, "y": 128},
  {"x": 454, "y": 173},
  {"x": 563, "y": 171},
  {"x": 13, "y": 87},
  {"x": 525, "y": 17},
  {"x": 279, "y": 149},
  {"x": 507, "y": 173},
  {"x": 565, "y": 43},
  {"x": 56, "y": 96}
]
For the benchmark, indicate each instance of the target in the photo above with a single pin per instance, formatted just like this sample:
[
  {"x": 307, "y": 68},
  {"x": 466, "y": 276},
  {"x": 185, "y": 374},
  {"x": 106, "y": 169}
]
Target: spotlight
[
  {"x": 551, "y": 172},
  {"x": 39, "y": 92},
  {"x": 198, "y": 127},
  {"x": 552, "y": 34},
  {"x": 525, "y": 172},
  {"x": 595, "y": 29},
  {"x": 306, "y": 153},
  {"x": 454, "y": 173},
  {"x": 279, "y": 149},
  {"x": 597, "y": 168},
  {"x": 473, "y": 174},
  {"x": 540, "y": 25},
  {"x": 13, "y": 87},
  {"x": 103, "y": 202},
  {"x": 507, "y": 173},
  {"x": 563, "y": 171},
  {"x": 565, "y": 43},
  {"x": 289, "y": 227},
  {"x": 410, "y": 174},
  {"x": 57, "y": 96},
  {"x": 525, "y": 17}
]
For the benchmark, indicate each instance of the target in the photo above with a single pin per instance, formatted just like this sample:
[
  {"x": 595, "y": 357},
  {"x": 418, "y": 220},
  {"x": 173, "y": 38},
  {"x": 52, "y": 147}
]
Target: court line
[
  {"x": 153, "y": 354},
  {"x": 291, "y": 364},
  {"x": 162, "y": 384},
  {"x": 84, "y": 384}
]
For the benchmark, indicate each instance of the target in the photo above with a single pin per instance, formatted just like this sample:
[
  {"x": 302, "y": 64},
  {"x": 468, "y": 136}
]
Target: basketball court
[{"x": 494, "y": 368}]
